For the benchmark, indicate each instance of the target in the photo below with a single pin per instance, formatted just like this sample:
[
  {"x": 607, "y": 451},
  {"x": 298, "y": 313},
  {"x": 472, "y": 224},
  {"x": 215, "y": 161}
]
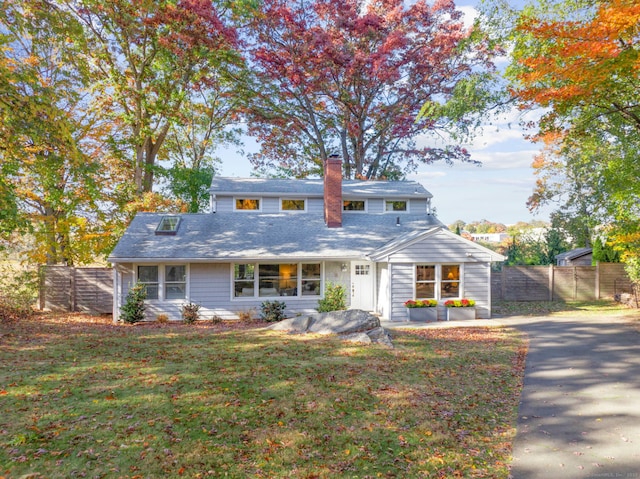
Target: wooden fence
[
  {"x": 559, "y": 283},
  {"x": 64, "y": 288}
]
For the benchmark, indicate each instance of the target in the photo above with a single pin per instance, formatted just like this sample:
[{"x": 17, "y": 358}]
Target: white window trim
[
  {"x": 256, "y": 282},
  {"x": 282, "y": 210},
  {"x": 365, "y": 210},
  {"x": 438, "y": 280},
  {"x": 259, "y": 210},
  {"x": 162, "y": 283},
  {"x": 384, "y": 206}
]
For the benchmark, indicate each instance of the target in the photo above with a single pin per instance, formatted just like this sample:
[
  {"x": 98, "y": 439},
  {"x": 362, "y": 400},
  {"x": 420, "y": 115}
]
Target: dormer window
[
  {"x": 247, "y": 204},
  {"x": 168, "y": 225},
  {"x": 391, "y": 206},
  {"x": 354, "y": 205},
  {"x": 288, "y": 204}
]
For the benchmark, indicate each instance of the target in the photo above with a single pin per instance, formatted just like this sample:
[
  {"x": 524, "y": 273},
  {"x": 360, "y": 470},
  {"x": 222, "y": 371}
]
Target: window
[
  {"x": 273, "y": 280},
  {"x": 310, "y": 279},
  {"x": 148, "y": 275},
  {"x": 247, "y": 204},
  {"x": 425, "y": 281},
  {"x": 450, "y": 286},
  {"x": 165, "y": 283},
  {"x": 362, "y": 270},
  {"x": 175, "y": 281},
  {"x": 292, "y": 205},
  {"x": 437, "y": 281},
  {"x": 353, "y": 205},
  {"x": 391, "y": 205},
  {"x": 243, "y": 279},
  {"x": 168, "y": 225}
]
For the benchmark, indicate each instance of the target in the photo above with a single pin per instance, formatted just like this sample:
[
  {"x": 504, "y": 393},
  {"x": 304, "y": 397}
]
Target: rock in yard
[{"x": 348, "y": 324}]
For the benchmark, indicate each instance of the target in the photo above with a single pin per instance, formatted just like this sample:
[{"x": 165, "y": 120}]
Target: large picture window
[
  {"x": 437, "y": 281},
  {"x": 274, "y": 280}
]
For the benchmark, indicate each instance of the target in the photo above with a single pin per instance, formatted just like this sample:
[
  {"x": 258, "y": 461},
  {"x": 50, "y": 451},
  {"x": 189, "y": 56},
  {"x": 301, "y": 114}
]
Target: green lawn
[
  {"x": 560, "y": 308},
  {"x": 83, "y": 399}
]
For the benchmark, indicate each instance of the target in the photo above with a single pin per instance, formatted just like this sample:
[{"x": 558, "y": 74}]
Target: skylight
[{"x": 168, "y": 225}]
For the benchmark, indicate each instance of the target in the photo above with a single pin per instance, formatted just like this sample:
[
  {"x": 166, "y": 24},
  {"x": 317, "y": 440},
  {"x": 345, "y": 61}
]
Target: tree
[
  {"x": 204, "y": 125},
  {"x": 363, "y": 79},
  {"x": 50, "y": 182},
  {"x": 144, "y": 57},
  {"x": 580, "y": 60}
]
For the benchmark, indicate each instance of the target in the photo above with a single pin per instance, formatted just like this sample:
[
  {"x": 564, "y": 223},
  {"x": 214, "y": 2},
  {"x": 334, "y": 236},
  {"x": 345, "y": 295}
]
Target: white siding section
[
  {"x": 401, "y": 289},
  {"x": 383, "y": 305}
]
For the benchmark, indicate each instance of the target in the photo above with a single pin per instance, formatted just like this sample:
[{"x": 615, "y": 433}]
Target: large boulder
[{"x": 353, "y": 325}]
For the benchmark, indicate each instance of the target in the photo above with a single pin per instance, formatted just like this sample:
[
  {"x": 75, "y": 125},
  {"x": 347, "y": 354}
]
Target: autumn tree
[
  {"x": 580, "y": 61},
  {"x": 50, "y": 176},
  {"x": 352, "y": 77},
  {"x": 145, "y": 57}
]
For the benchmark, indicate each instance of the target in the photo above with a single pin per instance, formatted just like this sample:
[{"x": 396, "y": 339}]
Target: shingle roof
[
  {"x": 574, "y": 253},
  {"x": 243, "y": 235},
  {"x": 314, "y": 187}
]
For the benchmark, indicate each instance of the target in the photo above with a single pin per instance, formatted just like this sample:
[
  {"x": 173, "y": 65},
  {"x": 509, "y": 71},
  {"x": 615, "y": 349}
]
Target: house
[
  {"x": 575, "y": 257},
  {"x": 489, "y": 237},
  {"x": 286, "y": 240}
]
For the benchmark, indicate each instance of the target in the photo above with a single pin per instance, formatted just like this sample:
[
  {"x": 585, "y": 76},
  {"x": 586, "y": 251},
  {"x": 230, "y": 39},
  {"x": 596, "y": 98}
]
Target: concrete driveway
[{"x": 579, "y": 415}]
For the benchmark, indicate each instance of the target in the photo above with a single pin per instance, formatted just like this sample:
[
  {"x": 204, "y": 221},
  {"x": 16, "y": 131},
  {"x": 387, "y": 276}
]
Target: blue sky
[{"x": 496, "y": 191}]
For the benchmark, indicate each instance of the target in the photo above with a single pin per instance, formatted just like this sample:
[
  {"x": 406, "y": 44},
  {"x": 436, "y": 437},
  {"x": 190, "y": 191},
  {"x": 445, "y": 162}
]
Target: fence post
[
  {"x": 503, "y": 282},
  {"x": 597, "y": 280},
  {"x": 551, "y": 282}
]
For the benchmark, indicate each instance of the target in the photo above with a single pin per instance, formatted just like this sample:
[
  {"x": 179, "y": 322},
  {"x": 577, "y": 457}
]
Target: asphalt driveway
[{"x": 579, "y": 415}]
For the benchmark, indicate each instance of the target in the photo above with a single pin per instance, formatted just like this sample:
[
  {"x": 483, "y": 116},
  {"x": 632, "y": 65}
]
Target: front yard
[{"x": 81, "y": 397}]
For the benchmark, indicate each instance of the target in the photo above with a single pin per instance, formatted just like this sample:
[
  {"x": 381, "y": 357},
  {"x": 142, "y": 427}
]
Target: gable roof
[
  {"x": 574, "y": 253},
  {"x": 244, "y": 236},
  {"x": 407, "y": 240},
  {"x": 315, "y": 188}
]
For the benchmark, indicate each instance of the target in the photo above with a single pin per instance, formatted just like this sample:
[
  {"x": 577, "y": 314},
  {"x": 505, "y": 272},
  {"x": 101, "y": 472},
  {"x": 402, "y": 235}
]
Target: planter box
[
  {"x": 422, "y": 314},
  {"x": 460, "y": 314}
]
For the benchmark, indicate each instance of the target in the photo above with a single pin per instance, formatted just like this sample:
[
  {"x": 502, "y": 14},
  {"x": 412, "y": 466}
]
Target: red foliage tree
[{"x": 351, "y": 77}]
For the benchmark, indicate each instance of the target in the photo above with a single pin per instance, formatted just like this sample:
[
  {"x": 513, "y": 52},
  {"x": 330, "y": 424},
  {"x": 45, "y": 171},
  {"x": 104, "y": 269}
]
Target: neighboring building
[
  {"x": 489, "y": 237},
  {"x": 575, "y": 257},
  {"x": 285, "y": 240}
]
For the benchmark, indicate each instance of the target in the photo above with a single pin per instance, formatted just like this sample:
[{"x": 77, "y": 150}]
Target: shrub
[
  {"x": 162, "y": 318},
  {"x": 190, "y": 312},
  {"x": 246, "y": 315},
  {"x": 215, "y": 319},
  {"x": 18, "y": 294},
  {"x": 273, "y": 311},
  {"x": 335, "y": 298},
  {"x": 132, "y": 311}
]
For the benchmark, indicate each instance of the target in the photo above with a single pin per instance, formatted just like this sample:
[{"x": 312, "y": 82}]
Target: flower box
[
  {"x": 461, "y": 314},
  {"x": 422, "y": 314}
]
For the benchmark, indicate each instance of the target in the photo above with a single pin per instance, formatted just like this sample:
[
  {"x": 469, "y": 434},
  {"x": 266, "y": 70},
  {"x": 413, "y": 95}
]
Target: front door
[{"x": 362, "y": 278}]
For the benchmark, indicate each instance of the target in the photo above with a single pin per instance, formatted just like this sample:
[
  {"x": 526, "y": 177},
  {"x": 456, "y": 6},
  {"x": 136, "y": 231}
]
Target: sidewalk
[{"x": 579, "y": 414}]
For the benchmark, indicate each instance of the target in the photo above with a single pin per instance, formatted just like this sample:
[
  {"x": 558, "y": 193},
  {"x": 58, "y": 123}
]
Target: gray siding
[
  {"x": 401, "y": 276},
  {"x": 440, "y": 249},
  {"x": 209, "y": 285},
  {"x": 270, "y": 205}
]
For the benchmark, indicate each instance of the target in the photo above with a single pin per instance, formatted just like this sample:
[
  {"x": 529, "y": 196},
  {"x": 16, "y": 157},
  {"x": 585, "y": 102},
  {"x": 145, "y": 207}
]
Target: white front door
[{"x": 362, "y": 280}]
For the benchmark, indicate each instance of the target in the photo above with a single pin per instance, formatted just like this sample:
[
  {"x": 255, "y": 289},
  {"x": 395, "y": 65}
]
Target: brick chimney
[{"x": 333, "y": 192}]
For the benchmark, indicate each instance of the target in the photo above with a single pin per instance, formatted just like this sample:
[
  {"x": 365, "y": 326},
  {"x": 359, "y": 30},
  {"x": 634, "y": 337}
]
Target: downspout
[{"x": 116, "y": 295}]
